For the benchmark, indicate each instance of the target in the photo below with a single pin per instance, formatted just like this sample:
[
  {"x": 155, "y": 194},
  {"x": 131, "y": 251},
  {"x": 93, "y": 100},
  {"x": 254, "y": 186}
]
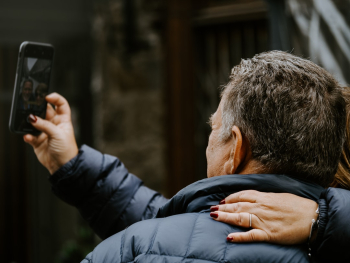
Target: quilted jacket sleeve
[
  {"x": 106, "y": 194},
  {"x": 333, "y": 237}
]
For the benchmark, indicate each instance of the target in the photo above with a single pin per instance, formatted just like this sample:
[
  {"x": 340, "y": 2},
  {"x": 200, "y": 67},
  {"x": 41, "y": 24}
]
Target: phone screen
[{"x": 32, "y": 86}]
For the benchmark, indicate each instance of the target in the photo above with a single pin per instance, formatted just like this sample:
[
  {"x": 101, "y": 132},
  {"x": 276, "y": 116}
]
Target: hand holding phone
[
  {"x": 56, "y": 145},
  {"x": 32, "y": 84}
]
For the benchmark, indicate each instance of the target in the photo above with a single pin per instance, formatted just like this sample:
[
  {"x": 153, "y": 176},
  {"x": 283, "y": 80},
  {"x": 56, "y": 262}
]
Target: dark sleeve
[
  {"x": 108, "y": 197},
  {"x": 333, "y": 236}
]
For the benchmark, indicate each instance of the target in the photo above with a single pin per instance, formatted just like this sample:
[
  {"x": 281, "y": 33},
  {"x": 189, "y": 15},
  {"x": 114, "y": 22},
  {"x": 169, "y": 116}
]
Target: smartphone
[{"x": 32, "y": 84}]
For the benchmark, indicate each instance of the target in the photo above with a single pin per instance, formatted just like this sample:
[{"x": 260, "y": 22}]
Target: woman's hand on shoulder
[{"x": 273, "y": 217}]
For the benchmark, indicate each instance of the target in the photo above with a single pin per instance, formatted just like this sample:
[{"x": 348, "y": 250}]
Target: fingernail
[
  {"x": 214, "y": 215},
  {"x": 32, "y": 118},
  {"x": 222, "y": 202},
  {"x": 229, "y": 238},
  {"x": 214, "y": 208}
]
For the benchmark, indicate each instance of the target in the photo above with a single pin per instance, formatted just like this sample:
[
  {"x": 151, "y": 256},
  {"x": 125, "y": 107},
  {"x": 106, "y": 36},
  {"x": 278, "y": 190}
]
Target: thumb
[{"x": 43, "y": 125}]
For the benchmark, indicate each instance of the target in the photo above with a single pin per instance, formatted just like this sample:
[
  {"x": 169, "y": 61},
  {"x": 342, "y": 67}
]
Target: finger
[
  {"x": 52, "y": 116},
  {"x": 28, "y": 138},
  {"x": 235, "y": 207},
  {"x": 55, "y": 118},
  {"x": 61, "y": 104},
  {"x": 43, "y": 125},
  {"x": 243, "y": 196},
  {"x": 237, "y": 219},
  {"x": 50, "y": 112},
  {"x": 34, "y": 141},
  {"x": 254, "y": 235}
]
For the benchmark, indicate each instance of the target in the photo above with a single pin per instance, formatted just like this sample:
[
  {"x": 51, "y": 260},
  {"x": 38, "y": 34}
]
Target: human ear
[{"x": 238, "y": 151}]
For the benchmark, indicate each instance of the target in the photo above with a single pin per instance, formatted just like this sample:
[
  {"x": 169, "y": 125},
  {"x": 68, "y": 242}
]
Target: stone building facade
[{"x": 127, "y": 86}]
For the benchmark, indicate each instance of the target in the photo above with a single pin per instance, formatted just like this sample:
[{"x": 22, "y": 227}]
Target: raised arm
[{"x": 105, "y": 193}]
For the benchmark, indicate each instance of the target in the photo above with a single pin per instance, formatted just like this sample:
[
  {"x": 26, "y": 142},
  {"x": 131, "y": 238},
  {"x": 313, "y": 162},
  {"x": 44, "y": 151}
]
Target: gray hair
[{"x": 291, "y": 111}]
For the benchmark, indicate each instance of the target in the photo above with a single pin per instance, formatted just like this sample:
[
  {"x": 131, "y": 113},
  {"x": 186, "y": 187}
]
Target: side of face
[
  {"x": 40, "y": 96},
  {"x": 218, "y": 153},
  {"x": 230, "y": 156},
  {"x": 27, "y": 90}
]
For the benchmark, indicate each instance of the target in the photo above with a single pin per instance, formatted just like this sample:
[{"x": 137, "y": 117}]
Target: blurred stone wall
[{"x": 127, "y": 86}]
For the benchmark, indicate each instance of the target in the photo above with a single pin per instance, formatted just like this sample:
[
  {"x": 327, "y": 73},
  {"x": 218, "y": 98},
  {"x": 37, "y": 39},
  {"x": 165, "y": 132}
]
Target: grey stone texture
[{"x": 127, "y": 86}]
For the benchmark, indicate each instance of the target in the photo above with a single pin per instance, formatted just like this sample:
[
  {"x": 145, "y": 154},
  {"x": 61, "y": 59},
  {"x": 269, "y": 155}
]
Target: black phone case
[{"x": 16, "y": 94}]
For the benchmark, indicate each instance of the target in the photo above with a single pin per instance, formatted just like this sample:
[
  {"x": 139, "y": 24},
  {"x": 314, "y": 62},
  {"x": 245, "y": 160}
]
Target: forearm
[{"x": 105, "y": 193}]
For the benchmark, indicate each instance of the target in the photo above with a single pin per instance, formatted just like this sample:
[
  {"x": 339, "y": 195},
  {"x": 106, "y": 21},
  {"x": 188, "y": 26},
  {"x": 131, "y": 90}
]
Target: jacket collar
[{"x": 202, "y": 194}]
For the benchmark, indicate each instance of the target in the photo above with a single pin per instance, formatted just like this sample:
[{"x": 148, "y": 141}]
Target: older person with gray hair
[{"x": 280, "y": 128}]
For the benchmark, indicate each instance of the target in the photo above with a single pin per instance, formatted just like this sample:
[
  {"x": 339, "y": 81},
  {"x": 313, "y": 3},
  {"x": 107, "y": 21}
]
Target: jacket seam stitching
[
  {"x": 148, "y": 204},
  {"x": 110, "y": 200},
  {"x": 110, "y": 197},
  {"x": 153, "y": 238},
  {"x": 122, "y": 246},
  {"x": 224, "y": 258},
  {"x": 101, "y": 167},
  {"x": 190, "y": 240},
  {"x": 172, "y": 256}
]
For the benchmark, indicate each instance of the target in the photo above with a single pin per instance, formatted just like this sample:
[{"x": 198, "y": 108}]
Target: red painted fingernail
[
  {"x": 214, "y": 215},
  {"x": 32, "y": 118},
  {"x": 229, "y": 238},
  {"x": 214, "y": 208},
  {"x": 222, "y": 202}
]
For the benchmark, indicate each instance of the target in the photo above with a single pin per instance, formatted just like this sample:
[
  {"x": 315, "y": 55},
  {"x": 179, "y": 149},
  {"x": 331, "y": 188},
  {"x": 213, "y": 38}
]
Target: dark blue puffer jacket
[
  {"x": 184, "y": 231},
  {"x": 110, "y": 199}
]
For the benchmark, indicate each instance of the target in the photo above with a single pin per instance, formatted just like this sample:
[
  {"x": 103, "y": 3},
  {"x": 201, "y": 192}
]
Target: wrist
[
  {"x": 55, "y": 165},
  {"x": 322, "y": 222},
  {"x": 313, "y": 229},
  {"x": 64, "y": 171}
]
